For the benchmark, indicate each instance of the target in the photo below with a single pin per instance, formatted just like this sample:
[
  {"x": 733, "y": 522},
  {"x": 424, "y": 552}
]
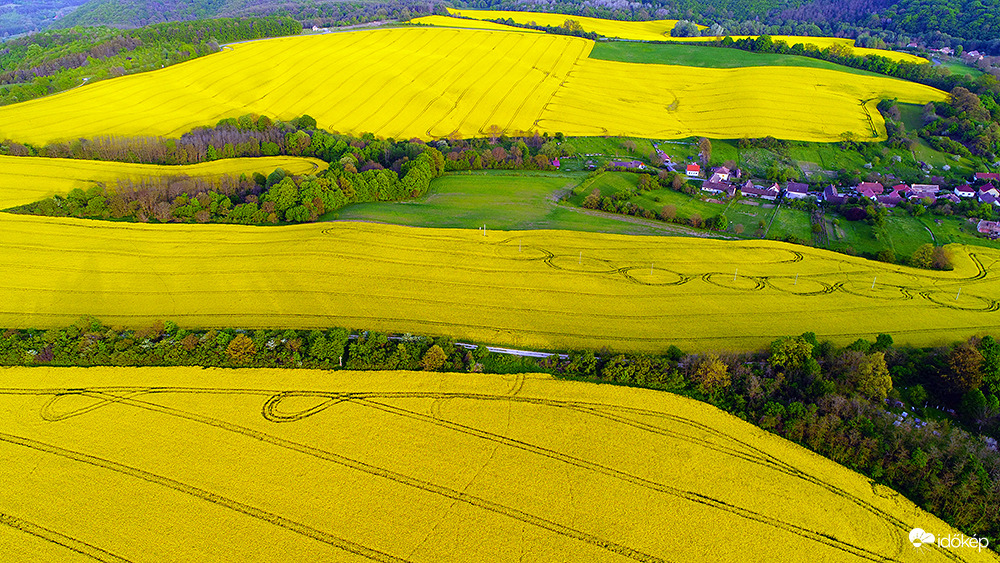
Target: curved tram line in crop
[
  {"x": 674, "y": 427},
  {"x": 741, "y": 282}
]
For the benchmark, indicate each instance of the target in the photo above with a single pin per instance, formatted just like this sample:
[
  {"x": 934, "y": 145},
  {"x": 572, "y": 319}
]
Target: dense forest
[
  {"x": 132, "y": 13},
  {"x": 44, "y": 63},
  {"x": 973, "y": 24},
  {"x": 25, "y": 16},
  {"x": 924, "y": 421}
]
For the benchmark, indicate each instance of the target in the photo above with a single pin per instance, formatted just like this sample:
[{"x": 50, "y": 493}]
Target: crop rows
[
  {"x": 654, "y": 30},
  {"x": 435, "y": 83},
  {"x": 458, "y": 467},
  {"x": 418, "y": 82},
  {"x": 664, "y": 101},
  {"x": 25, "y": 180},
  {"x": 543, "y": 289}
]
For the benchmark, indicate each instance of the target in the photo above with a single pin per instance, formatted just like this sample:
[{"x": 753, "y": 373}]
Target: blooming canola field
[
  {"x": 531, "y": 289},
  {"x": 26, "y": 180},
  {"x": 659, "y": 30},
  {"x": 675, "y": 101},
  {"x": 429, "y": 83},
  {"x": 137, "y": 464}
]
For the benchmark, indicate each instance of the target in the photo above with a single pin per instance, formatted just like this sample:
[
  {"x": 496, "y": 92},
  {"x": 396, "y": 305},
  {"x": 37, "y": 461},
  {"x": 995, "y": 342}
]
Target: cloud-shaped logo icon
[{"x": 919, "y": 537}]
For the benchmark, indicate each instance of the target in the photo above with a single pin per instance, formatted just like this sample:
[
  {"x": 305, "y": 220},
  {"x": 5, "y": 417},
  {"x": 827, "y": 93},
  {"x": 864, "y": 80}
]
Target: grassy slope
[
  {"x": 711, "y": 57},
  {"x": 501, "y": 200}
]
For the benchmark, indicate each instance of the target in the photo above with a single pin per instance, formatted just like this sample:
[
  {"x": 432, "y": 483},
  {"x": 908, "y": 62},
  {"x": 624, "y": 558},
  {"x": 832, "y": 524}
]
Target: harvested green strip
[{"x": 708, "y": 57}]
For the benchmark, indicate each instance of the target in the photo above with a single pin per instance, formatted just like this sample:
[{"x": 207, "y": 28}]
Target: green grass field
[
  {"x": 960, "y": 68},
  {"x": 500, "y": 200},
  {"x": 710, "y": 57}
]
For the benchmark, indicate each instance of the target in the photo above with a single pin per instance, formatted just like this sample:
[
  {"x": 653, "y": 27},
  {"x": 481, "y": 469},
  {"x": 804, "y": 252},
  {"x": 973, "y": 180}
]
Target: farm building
[
  {"x": 832, "y": 196},
  {"x": 920, "y": 191},
  {"x": 717, "y": 187},
  {"x": 987, "y": 177},
  {"x": 989, "y": 228},
  {"x": 871, "y": 190},
  {"x": 965, "y": 191},
  {"x": 890, "y": 199},
  {"x": 770, "y": 193},
  {"x": 796, "y": 190}
]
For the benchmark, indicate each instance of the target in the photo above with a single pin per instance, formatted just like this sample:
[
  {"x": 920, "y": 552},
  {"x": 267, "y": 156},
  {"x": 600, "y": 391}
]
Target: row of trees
[
  {"x": 841, "y": 402},
  {"x": 362, "y": 169},
  {"x": 254, "y": 135},
  {"x": 276, "y": 198}
]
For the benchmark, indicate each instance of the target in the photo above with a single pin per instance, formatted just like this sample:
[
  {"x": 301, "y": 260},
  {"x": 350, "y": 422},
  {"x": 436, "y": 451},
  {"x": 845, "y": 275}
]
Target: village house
[
  {"x": 921, "y": 191},
  {"x": 796, "y": 190},
  {"x": 950, "y": 197},
  {"x": 987, "y": 177},
  {"x": 770, "y": 193},
  {"x": 965, "y": 190},
  {"x": 871, "y": 190},
  {"x": 890, "y": 199},
  {"x": 989, "y": 194},
  {"x": 722, "y": 173},
  {"x": 989, "y": 228},
  {"x": 693, "y": 170},
  {"x": 718, "y": 187},
  {"x": 972, "y": 56},
  {"x": 832, "y": 196}
]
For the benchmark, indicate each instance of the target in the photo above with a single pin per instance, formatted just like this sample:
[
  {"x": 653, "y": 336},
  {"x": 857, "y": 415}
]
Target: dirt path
[{"x": 667, "y": 228}]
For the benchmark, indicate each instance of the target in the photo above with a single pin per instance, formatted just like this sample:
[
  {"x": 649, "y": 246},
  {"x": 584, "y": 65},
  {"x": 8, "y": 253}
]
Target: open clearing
[
  {"x": 659, "y": 30},
  {"x": 429, "y": 83},
  {"x": 534, "y": 289},
  {"x": 111, "y": 464},
  {"x": 26, "y": 179},
  {"x": 701, "y": 56},
  {"x": 501, "y": 200}
]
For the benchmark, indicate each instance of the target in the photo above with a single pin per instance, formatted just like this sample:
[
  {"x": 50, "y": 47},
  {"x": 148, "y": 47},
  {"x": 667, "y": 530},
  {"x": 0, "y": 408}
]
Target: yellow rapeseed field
[
  {"x": 655, "y": 30},
  {"x": 536, "y": 289},
  {"x": 402, "y": 83},
  {"x": 26, "y": 180},
  {"x": 659, "y": 30},
  {"x": 445, "y": 21},
  {"x": 138, "y": 464},
  {"x": 666, "y": 101},
  {"x": 430, "y": 83}
]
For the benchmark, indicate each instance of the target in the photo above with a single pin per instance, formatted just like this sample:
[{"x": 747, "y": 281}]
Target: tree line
[
  {"x": 361, "y": 169},
  {"x": 924, "y": 421}
]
